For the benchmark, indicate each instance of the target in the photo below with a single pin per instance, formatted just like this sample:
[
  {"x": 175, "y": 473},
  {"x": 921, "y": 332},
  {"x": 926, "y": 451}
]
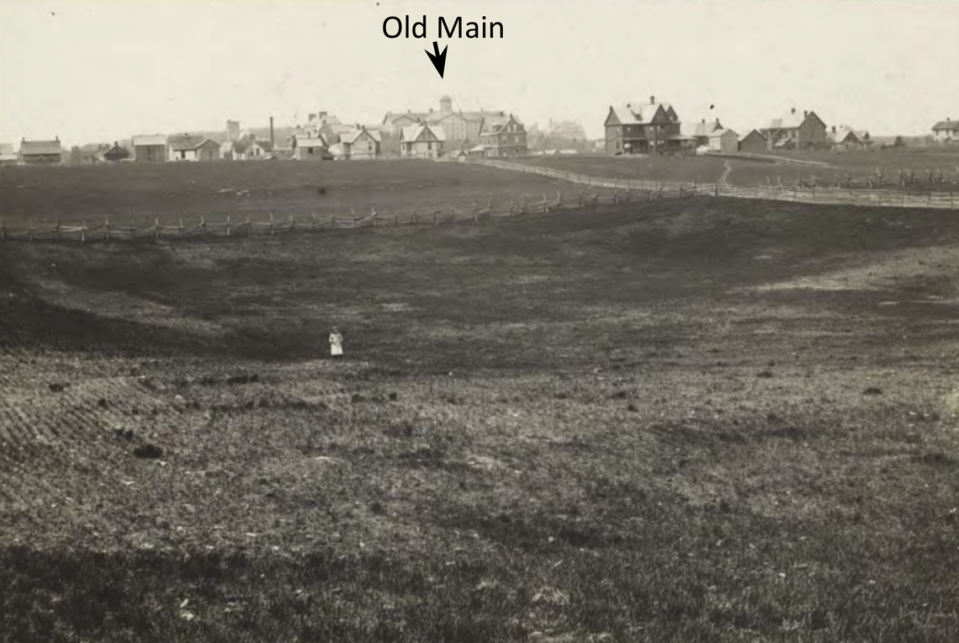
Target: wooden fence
[
  {"x": 274, "y": 226},
  {"x": 797, "y": 194},
  {"x": 632, "y": 190}
]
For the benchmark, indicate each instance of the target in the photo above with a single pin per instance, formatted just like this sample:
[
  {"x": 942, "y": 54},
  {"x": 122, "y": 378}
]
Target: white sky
[{"x": 90, "y": 70}]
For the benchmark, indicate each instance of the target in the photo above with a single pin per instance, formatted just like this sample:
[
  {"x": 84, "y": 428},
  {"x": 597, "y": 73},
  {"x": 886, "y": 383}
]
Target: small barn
[
  {"x": 754, "y": 142},
  {"x": 193, "y": 148},
  {"x": 41, "y": 152},
  {"x": 311, "y": 148},
  {"x": 149, "y": 148},
  {"x": 724, "y": 141}
]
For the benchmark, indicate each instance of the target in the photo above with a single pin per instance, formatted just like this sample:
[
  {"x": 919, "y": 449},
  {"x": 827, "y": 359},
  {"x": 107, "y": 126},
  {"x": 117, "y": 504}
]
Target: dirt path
[{"x": 728, "y": 169}]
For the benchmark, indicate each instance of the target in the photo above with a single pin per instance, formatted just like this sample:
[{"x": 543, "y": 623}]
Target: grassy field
[
  {"x": 691, "y": 169},
  {"x": 841, "y": 168},
  {"x": 137, "y": 194},
  {"x": 698, "y": 420}
]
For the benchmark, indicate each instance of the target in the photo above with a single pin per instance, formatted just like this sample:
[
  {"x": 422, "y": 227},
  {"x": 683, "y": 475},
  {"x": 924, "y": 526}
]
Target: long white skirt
[{"x": 336, "y": 349}]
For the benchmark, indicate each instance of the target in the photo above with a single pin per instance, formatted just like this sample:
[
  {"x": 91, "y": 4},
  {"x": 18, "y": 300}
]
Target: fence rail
[
  {"x": 632, "y": 190},
  {"x": 824, "y": 195},
  {"x": 275, "y": 226}
]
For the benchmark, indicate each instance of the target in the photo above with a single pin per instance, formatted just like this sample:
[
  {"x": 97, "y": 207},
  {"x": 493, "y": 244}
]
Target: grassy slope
[
  {"x": 645, "y": 423},
  {"x": 135, "y": 194},
  {"x": 747, "y": 173}
]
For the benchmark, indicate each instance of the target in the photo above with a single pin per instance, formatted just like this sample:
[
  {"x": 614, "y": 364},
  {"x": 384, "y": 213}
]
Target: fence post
[
  {"x": 106, "y": 229},
  {"x": 413, "y": 217},
  {"x": 354, "y": 220},
  {"x": 272, "y": 224},
  {"x": 156, "y": 228},
  {"x": 202, "y": 226},
  {"x": 313, "y": 222},
  {"x": 179, "y": 227},
  {"x": 511, "y": 206},
  {"x": 436, "y": 217},
  {"x": 30, "y": 233},
  {"x": 474, "y": 212},
  {"x": 229, "y": 230},
  {"x": 292, "y": 222},
  {"x": 56, "y": 230}
]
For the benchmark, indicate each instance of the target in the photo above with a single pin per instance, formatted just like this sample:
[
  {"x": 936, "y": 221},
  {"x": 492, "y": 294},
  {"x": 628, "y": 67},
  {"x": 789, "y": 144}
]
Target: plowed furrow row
[
  {"x": 6, "y": 422},
  {"x": 24, "y": 435}
]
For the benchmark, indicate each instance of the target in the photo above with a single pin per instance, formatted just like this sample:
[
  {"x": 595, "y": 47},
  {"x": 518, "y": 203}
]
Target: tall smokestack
[{"x": 271, "y": 131}]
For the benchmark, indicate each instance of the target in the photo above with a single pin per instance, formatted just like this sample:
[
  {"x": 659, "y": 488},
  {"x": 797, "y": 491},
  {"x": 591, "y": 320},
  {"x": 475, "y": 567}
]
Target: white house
[
  {"x": 193, "y": 148},
  {"x": 422, "y": 141},
  {"x": 946, "y": 131},
  {"x": 259, "y": 150},
  {"x": 361, "y": 143}
]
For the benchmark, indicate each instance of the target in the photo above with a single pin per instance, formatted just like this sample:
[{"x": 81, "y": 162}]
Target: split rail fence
[
  {"x": 632, "y": 190},
  {"x": 822, "y": 195},
  {"x": 275, "y": 226}
]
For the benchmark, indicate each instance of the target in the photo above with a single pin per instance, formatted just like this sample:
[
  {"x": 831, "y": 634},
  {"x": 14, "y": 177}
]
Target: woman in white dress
[{"x": 336, "y": 343}]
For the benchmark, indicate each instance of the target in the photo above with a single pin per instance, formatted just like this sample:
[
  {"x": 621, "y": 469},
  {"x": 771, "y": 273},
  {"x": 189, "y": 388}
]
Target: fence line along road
[
  {"x": 634, "y": 190},
  {"x": 828, "y": 196},
  {"x": 308, "y": 223}
]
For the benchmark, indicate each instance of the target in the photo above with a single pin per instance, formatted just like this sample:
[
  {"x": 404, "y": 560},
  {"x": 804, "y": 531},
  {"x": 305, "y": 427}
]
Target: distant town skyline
[{"x": 96, "y": 70}]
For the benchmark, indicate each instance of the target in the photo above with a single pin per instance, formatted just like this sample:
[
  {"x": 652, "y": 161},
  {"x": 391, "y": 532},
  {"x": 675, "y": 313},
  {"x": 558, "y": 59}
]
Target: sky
[{"x": 100, "y": 70}]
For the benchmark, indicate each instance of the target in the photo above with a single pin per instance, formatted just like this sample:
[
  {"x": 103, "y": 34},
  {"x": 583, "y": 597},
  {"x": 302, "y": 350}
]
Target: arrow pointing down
[{"x": 438, "y": 59}]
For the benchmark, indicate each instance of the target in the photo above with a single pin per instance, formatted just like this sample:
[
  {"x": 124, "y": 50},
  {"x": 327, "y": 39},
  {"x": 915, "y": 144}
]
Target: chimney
[
  {"x": 652, "y": 100},
  {"x": 793, "y": 111},
  {"x": 704, "y": 121},
  {"x": 271, "y": 130},
  {"x": 805, "y": 113},
  {"x": 833, "y": 129}
]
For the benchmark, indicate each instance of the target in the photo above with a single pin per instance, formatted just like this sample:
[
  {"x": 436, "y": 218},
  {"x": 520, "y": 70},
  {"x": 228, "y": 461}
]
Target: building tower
[
  {"x": 233, "y": 130},
  {"x": 446, "y": 104}
]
